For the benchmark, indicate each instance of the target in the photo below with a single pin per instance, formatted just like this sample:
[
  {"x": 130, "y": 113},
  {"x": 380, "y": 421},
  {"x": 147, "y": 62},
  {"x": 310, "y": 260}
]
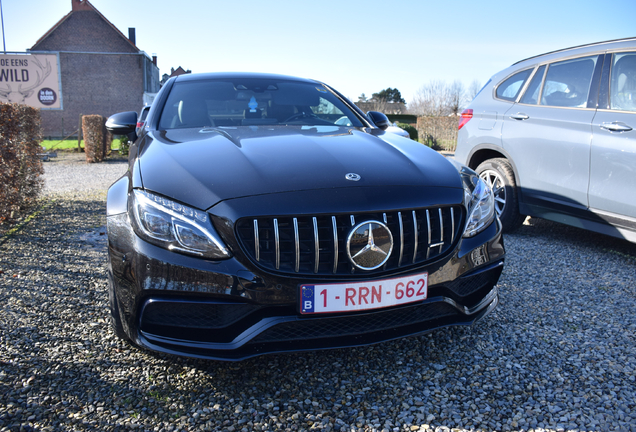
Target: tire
[
  {"x": 498, "y": 174},
  {"x": 115, "y": 317}
]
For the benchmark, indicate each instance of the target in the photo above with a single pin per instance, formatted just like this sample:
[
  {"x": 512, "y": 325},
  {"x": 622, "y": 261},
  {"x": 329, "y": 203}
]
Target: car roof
[
  {"x": 241, "y": 75},
  {"x": 596, "y": 46}
]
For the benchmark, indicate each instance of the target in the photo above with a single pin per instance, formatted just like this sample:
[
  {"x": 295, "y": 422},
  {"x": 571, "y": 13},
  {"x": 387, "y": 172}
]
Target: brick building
[{"x": 102, "y": 71}]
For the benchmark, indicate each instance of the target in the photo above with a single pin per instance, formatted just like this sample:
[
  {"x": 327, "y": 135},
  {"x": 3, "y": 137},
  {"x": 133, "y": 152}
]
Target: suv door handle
[
  {"x": 616, "y": 127},
  {"x": 519, "y": 116}
]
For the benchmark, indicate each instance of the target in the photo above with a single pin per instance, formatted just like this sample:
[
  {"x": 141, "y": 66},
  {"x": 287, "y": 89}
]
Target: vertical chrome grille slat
[
  {"x": 452, "y": 211},
  {"x": 277, "y": 244},
  {"x": 353, "y": 223},
  {"x": 386, "y": 221},
  {"x": 441, "y": 230},
  {"x": 257, "y": 243},
  {"x": 335, "y": 244},
  {"x": 401, "y": 238},
  {"x": 296, "y": 246},
  {"x": 428, "y": 227},
  {"x": 415, "y": 236},
  {"x": 316, "y": 246}
]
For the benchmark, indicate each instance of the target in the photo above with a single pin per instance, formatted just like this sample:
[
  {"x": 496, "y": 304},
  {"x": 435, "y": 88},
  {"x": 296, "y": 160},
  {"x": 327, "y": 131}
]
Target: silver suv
[{"x": 554, "y": 137}]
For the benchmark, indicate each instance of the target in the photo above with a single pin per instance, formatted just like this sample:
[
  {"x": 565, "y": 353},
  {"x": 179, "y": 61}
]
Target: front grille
[
  {"x": 469, "y": 284},
  {"x": 355, "y": 324},
  {"x": 316, "y": 245},
  {"x": 196, "y": 320},
  {"x": 194, "y": 314}
]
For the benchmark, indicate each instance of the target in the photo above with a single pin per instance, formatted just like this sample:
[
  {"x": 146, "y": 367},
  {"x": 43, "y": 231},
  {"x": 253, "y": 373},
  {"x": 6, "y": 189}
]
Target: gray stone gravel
[
  {"x": 69, "y": 172},
  {"x": 559, "y": 353}
]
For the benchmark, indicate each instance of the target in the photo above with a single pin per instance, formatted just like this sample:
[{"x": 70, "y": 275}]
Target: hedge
[
  {"x": 439, "y": 133},
  {"x": 403, "y": 118},
  {"x": 410, "y": 129},
  {"x": 97, "y": 139},
  {"x": 20, "y": 165}
]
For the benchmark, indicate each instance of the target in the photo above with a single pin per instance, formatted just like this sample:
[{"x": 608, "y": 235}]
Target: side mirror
[
  {"x": 122, "y": 123},
  {"x": 379, "y": 119}
]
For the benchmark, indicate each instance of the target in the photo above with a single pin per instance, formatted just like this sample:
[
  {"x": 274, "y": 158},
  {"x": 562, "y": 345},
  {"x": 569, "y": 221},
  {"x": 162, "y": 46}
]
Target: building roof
[
  {"x": 179, "y": 71},
  {"x": 82, "y": 6}
]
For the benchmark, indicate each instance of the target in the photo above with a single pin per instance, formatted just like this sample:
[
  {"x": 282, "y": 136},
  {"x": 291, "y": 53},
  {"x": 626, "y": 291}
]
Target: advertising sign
[{"x": 30, "y": 79}]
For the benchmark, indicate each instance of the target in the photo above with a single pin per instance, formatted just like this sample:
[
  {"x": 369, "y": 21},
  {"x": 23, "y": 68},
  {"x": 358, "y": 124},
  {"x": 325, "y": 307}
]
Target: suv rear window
[
  {"x": 510, "y": 88},
  {"x": 567, "y": 83},
  {"x": 623, "y": 86},
  {"x": 531, "y": 96}
]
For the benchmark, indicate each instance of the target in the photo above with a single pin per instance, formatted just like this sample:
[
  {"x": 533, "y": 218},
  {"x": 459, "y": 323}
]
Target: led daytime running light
[
  {"x": 176, "y": 207},
  {"x": 175, "y": 226}
]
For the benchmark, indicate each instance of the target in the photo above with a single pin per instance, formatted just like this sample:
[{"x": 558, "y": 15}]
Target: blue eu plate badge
[{"x": 307, "y": 300}]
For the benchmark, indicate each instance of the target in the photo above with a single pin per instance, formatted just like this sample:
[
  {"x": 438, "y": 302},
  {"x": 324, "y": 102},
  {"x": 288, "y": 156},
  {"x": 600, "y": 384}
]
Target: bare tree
[
  {"x": 456, "y": 94},
  {"x": 377, "y": 105},
  {"x": 473, "y": 89},
  {"x": 431, "y": 99},
  {"x": 437, "y": 98}
]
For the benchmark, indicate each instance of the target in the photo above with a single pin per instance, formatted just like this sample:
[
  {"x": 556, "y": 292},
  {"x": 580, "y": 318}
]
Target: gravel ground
[
  {"x": 559, "y": 353},
  {"x": 69, "y": 173}
]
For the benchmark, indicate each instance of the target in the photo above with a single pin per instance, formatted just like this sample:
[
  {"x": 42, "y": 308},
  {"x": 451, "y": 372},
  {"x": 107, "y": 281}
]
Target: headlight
[
  {"x": 479, "y": 202},
  {"x": 174, "y": 226}
]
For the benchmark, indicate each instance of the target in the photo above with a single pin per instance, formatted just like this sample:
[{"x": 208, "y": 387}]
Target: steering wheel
[{"x": 299, "y": 115}]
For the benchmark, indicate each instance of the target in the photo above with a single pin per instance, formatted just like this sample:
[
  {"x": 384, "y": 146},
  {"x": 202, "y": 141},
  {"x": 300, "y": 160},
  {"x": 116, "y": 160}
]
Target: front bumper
[{"x": 226, "y": 310}]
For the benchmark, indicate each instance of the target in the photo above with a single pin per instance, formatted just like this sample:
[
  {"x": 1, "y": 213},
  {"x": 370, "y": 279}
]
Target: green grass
[
  {"x": 70, "y": 144},
  {"x": 448, "y": 145}
]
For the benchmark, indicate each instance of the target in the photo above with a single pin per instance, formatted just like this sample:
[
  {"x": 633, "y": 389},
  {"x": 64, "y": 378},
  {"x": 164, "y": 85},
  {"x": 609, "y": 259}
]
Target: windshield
[{"x": 253, "y": 102}]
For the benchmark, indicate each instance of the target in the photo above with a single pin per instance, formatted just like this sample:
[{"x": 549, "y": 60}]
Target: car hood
[{"x": 202, "y": 167}]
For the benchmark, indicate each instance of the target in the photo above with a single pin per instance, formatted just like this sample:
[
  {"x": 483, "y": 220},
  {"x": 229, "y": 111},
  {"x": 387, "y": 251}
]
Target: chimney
[
  {"x": 154, "y": 60},
  {"x": 131, "y": 35},
  {"x": 80, "y": 5}
]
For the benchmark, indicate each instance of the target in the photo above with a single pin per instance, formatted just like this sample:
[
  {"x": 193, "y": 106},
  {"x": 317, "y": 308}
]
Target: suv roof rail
[{"x": 578, "y": 46}]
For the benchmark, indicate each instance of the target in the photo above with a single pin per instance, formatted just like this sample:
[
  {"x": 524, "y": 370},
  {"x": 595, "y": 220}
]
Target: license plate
[{"x": 348, "y": 297}]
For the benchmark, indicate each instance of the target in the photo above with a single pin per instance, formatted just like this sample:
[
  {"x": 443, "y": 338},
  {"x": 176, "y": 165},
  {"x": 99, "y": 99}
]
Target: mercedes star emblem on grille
[
  {"x": 369, "y": 245},
  {"x": 353, "y": 177}
]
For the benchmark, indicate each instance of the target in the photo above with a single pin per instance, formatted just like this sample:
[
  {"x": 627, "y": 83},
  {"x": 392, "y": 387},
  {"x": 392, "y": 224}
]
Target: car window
[
  {"x": 623, "y": 84},
  {"x": 144, "y": 113},
  {"x": 510, "y": 88},
  {"x": 531, "y": 96},
  {"x": 567, "y": 83},
  {"x": 253, "y": 102}
]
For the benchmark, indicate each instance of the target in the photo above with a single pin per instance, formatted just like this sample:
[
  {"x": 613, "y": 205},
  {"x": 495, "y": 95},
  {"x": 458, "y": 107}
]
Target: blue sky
[{"x": 356, "y": 46}]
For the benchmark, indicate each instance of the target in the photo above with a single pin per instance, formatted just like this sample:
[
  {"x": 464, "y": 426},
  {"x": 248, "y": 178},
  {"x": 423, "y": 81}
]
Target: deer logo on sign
[{"x": 22, "y": 93}]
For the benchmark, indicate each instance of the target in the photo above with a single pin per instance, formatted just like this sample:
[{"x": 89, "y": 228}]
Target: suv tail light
[{"x": 467, "y": 114}]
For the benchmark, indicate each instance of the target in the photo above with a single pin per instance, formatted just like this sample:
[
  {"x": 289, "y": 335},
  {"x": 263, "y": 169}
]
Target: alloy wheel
[{"x": 496, "y": 183}]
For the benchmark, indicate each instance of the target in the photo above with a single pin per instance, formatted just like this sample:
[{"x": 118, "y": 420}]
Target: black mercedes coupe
[{"x": 266, "y": 213}]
